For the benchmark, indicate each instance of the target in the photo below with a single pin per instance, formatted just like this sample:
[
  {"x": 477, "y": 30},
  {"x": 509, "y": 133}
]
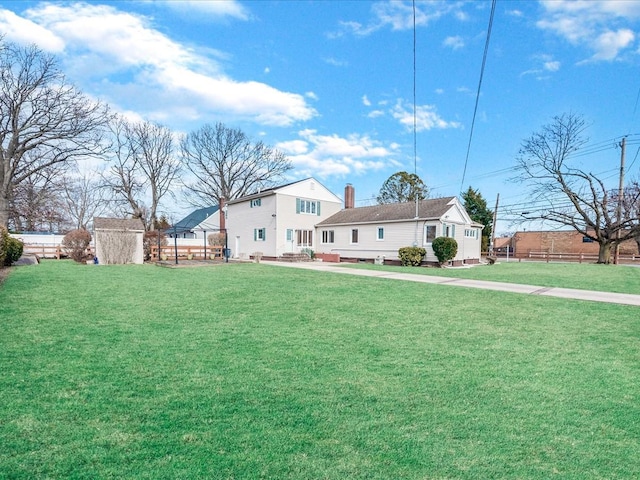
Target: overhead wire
[{"x": 475, "y": 109}]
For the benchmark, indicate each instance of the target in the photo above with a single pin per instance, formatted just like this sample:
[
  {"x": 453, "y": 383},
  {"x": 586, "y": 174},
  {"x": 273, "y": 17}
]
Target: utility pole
[
  {"x": 616, "y": 256},
  {"x": 492, "y": 240}
]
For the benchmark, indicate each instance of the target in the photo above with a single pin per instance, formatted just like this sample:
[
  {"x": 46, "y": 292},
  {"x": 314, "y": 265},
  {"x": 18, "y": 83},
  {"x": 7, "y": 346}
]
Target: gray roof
[
  {"x": 104, "y": 223},
  {"x": 192, "y": 220},
  {"x": 431, "y": 209}
]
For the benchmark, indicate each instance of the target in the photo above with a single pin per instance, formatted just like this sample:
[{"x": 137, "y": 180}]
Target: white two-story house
[{"x": 279, "y": 220}]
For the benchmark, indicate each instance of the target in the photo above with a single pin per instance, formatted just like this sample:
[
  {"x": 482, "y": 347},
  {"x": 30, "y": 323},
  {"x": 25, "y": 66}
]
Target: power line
[{"x": 475, "y": 109}]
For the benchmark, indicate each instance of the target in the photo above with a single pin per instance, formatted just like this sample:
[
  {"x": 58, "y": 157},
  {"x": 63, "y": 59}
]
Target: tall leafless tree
[
  {"x": 225, "y": 163},
  {"x": 83, "y": 198},
  {"x": 44, "y": 121},
  {"x": 144, "y": 168},
  {"x": 631, "y": 208},
  {"x": 571, "y": 197},
  {"x": 36, "y": 202}
]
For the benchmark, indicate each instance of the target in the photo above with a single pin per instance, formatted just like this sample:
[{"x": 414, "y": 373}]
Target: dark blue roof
[{"x": 192, "y": 220}]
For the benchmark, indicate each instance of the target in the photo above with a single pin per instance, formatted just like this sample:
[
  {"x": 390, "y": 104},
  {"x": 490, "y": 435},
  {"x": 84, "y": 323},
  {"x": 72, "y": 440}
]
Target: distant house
[
  {"x": 118, "y": 240},
  {"x": 378, "y": 232},
  {"x": 196, "y": 223},
  {"x": 278, "y": 220}
]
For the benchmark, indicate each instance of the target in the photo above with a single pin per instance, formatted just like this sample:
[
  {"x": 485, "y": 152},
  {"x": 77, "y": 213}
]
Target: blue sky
[{"x": 330, "y": 83}]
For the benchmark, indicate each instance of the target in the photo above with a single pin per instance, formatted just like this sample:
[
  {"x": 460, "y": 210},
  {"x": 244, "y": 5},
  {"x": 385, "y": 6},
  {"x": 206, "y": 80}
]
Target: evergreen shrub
[
  {"x": 4, "y": 235},
  {"x": 411, "y": 256},
  {"x": 445, "y": 248},
  {"x": 13, "y": 250}
]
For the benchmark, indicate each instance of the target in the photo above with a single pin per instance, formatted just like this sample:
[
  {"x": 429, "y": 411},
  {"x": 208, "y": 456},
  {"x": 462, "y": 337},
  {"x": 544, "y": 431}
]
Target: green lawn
[
  {"x": 246, "y": 371},
  {"x": 604, "y": 278}
]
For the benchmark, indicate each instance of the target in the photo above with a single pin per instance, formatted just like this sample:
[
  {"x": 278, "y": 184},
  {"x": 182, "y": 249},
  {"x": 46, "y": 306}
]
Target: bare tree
[
  {"x": 44, "y": 121},
  {"x": 225, "y": 163},
  {"x": 144, "y": 167},
  {"x": 572, "y": 197},
  {"x": 83, "y": 198},
  {"x": 631, "y": 208},
  {"x": 35, "y": 204}
]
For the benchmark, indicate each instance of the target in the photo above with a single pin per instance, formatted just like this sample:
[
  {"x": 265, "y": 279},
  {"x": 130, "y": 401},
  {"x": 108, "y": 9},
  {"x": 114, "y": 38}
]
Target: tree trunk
[
  {"x": 604, "y": 253},
  {"x": 4, "y": 211}
]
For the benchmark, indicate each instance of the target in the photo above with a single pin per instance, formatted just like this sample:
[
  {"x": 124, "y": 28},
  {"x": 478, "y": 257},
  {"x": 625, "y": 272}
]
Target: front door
[{"x": 289, "y": 241}]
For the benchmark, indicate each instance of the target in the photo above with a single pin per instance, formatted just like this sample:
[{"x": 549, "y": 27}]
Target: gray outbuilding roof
[{"x": 105, "y": 223}]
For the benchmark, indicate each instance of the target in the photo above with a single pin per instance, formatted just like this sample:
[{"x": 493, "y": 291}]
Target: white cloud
[
  {"x": 551, "y": 66},
  {"x": 426, "y": 117},
  {"x": 24, "y": 31},
  {"x": 602, "y": 26},
  {"x": 215, "y": 9},
  {"x": 546, "y": 64},
  {"x": 376, "y": 114},
  {"x": 453, "y": 42},
  {"x": 129, "y": 58},
  {"x": 609, "y": 43},
  {"x": 335, "y": 62},
  {"x": 365, "y": 101},
  {"x": 327, "y": 155},
  {"x": 398, "y": 15}
]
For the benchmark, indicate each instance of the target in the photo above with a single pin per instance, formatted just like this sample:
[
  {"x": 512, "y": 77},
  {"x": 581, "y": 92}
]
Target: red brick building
[{"x": 561, "y": 241}]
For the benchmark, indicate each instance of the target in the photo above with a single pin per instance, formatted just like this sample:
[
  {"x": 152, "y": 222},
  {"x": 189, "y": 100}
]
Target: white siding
[
  {"x": 242, "y": 220},
  {"x": 277, "y": 214},
  {"x": 396, "y": 236}
]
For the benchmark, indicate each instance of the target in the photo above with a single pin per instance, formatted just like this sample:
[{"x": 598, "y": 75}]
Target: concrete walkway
[{"x": 594, "y": 296}]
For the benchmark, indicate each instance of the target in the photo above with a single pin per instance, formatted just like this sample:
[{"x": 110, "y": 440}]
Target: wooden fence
[
  {"x": 564, "y": 257},
  {"x": 168, "y": 252},
  {"x": 184, "y": 252},
  {"x": 49, "y": 251}
]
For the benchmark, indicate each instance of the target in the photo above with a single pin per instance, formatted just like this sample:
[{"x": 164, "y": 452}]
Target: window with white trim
[
  {"x": 310, "y": 207},
  {"x": 430, "y": 232},
  {"x": 448, "y": 230},
  {"x": 259, "y": 234},
  {"x": 380, "y": 234},
  {"x": 354, "y": 235},
  {"x": 328, "y": 236},
  {"x": 471, "y": 233},
  {"x": 304, "y": 238},
  {"x": 256, "y": 202}
]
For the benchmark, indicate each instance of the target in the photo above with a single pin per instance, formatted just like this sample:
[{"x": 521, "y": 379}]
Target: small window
[
  {"x": 354, "y": 235},
  {"x": 380, "y": 233},
  {"x": 328, "y": 236},
  {"x": 256, "y": 202},
  {"x": 587, "y": 240},
  {"x": 448, "y": 230},
  {"x": 259, "y": 234},
  {"x": 429, "y": 233},
  {"x": 470, "y": 233}
]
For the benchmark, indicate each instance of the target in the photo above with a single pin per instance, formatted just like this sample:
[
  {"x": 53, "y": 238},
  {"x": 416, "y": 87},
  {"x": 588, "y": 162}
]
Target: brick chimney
[
  {"x": 223, "y": 220},
  {"x": 349, "y": 196}
]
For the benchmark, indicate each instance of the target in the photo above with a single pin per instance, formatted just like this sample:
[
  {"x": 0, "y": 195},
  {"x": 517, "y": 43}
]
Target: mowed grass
[
  {"x": 246, "y": 371},
  {"x": 585, "y": 276}
]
